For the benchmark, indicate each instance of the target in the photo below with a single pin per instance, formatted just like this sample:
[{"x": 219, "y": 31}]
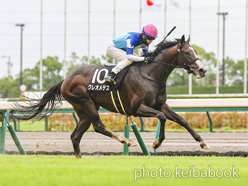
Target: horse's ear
[
  {"x": 182, "y": 39},
  {"x": 188, "y": 39}
]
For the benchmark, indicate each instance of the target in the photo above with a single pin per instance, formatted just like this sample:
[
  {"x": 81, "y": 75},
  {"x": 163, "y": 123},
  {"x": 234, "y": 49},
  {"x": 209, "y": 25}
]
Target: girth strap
[{"x": 115, "y": 96}]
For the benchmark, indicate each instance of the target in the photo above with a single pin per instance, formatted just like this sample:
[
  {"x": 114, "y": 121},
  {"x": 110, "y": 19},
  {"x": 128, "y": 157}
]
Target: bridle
[{"x": 186, "y": 66}]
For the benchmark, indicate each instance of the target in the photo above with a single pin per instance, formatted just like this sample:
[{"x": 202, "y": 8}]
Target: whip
[{"x": 170, "y": 32}]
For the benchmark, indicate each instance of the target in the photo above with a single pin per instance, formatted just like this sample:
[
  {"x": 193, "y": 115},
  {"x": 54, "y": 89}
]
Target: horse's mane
[{"x": 161, "y": 46}]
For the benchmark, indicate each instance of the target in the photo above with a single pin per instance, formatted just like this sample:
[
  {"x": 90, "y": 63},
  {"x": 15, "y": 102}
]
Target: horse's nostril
[{"x": 201, "y": 70}]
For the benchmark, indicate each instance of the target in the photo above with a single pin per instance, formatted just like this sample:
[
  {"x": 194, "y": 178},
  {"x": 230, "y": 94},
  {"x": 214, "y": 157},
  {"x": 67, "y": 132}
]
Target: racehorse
[{"x": 143, "y": 93}]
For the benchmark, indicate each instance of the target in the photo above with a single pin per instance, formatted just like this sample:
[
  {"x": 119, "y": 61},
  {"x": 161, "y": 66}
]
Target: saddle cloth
[{"x": 97, "y": 82}]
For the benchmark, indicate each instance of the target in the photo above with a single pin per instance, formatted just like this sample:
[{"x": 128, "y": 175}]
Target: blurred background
[{"x": 57, "y": 36}]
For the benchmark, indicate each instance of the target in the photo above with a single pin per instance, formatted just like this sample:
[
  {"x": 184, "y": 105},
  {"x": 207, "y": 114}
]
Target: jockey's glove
[{"x": 148, "y": 59}]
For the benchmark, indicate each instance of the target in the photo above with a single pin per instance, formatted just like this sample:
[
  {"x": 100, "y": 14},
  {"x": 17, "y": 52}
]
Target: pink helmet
[{"x": 150, "y": 30}]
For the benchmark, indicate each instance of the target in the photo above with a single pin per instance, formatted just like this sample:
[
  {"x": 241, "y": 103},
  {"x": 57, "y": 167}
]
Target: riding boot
[{"x": 110, "y": 77}]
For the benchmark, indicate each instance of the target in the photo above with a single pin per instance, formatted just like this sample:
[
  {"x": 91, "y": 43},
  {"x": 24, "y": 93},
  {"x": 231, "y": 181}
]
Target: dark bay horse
[{"x": 143, "y": 93}]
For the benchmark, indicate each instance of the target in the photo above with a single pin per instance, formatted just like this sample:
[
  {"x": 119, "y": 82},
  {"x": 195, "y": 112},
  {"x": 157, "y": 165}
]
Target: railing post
[
  {"x": 18, "y": 125},
  {"x": 126, "y": 135},
  {"x": 139, "y": 138},
  {"x": 210, "y": 122},
  {"x": 16, "y": 140},
  {"x": 142, "y": 124},
  {"x": 2, "y": 139},
  {"x": 3, "y": 129},
  {"x": 46, "y": 123},
  {"x": 15, "y": 124}
]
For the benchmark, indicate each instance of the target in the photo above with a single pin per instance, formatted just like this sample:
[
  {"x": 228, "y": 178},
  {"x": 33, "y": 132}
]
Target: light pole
[
  {"x": 8, "y": 63},
  {"x": 21, "y": 25},
  {"x": 223, "y": 60}
]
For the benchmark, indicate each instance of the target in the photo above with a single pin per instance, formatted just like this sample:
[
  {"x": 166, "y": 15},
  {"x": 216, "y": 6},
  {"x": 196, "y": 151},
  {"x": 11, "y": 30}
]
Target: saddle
[{"x": 97, "y": 83}]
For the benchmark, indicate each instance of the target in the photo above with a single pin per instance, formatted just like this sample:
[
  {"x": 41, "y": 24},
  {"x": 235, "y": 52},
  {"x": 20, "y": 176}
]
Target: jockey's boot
[{"x": 110, "y": 77}]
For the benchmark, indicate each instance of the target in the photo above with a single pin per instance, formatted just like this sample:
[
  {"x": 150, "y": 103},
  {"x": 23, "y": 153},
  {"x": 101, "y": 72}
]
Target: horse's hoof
[
  {"x": 156, "y": 144},
  {"x": 78, "y": 156},
  {"x": 131, "y": 144},
  {"x": 204, "y": 145}
]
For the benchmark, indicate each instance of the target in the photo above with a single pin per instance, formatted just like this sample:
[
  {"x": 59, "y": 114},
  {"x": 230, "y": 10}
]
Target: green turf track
[{"x": 44, "y": 170}]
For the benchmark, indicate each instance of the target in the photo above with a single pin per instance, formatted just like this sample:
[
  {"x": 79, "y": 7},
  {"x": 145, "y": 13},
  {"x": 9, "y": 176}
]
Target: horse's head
[{"x": 188, "y": 59}]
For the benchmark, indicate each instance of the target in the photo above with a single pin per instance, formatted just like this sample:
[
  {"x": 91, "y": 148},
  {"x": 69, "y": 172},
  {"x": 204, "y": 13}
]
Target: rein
[{"x": 185, "y": 65}]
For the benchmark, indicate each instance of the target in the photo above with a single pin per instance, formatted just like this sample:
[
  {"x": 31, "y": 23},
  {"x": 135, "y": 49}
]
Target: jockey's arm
[
  {"x": 132, "y": 57},
  {"x": 145, "y": 50}
]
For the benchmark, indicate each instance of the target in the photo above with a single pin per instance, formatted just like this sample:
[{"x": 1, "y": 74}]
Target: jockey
[{"x": 121, "y": 49}]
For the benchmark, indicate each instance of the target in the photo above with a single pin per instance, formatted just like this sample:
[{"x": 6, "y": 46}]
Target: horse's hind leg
[
  {"x": 100, "y": 128},
  {"x": 171, "y": 115},
  {"x": 90, "y": 110},
  {"x": 78, "y": 132}
]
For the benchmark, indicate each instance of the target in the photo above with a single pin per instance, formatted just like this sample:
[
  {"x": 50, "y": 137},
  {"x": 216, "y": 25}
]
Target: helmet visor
[{"x": 150, "y": 38}]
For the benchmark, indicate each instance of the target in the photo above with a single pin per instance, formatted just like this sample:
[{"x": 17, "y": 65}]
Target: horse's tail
[{"x": 50, "y": 100}]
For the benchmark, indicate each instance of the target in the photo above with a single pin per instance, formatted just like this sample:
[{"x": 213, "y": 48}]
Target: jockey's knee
[
  {"x": 121, "y": 65},
  {"x": 126, "y": 62}
]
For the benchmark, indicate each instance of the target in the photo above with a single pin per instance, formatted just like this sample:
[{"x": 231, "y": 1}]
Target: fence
[{"x": 178, "y": 105}]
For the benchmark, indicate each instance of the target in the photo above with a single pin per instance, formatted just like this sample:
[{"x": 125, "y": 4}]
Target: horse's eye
[{"x": 187, "y": 53}]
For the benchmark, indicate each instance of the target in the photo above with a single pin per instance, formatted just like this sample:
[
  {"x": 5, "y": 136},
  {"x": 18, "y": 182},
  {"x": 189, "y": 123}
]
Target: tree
[
  {"x": 51, "y": 74},
  {"x": 73, "y": 62},
  {"x": 31, "y": 78},
  {"x": 107, "y": 59},
  {"x": 209, "y": 62},
  {"x": 180, "y": 76},
  {"x": 52, "y": 70},
  {"x": 9, "y": 87},
  {"x": 93, "y": 60},
  {"x": 234, "y": 72},
  {"x": 76, "y": 61}
]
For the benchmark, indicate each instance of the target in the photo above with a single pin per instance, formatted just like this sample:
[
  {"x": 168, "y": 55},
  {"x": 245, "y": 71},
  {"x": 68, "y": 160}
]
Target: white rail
[{"x": 173, "y": 103}]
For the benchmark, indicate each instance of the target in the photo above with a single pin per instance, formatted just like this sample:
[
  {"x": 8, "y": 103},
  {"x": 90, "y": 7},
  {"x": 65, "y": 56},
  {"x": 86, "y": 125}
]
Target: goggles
[{"x": 150, "y": 38}]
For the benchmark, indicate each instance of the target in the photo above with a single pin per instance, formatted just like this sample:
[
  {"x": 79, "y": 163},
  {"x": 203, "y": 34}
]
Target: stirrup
[{"x": 110, "y": 79}]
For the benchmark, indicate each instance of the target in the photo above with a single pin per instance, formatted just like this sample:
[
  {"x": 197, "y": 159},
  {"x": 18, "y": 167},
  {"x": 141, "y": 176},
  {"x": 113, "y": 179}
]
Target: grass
[
  {"x": 114, "y": 170},
  {"x": 29, "y": 126}
]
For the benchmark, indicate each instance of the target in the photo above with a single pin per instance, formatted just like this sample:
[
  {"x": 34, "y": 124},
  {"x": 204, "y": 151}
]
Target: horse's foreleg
[
  {"x": 171, "y": 115},
  {"x": 145, "y": 111}
]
